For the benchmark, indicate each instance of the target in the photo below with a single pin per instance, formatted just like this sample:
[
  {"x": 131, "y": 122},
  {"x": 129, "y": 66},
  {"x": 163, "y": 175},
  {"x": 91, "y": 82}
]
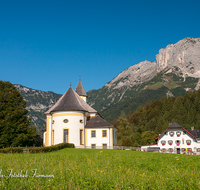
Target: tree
[
  {"x": 125, "y": 133},
  {"x": 14, "y": 124}
]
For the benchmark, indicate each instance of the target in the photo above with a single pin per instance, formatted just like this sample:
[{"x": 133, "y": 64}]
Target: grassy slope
[{"x": 103, "y": 169}]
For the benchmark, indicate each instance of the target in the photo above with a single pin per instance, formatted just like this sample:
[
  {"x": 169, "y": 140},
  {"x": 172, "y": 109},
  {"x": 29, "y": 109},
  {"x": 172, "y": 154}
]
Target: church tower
[{"x": 81, "y": 91}]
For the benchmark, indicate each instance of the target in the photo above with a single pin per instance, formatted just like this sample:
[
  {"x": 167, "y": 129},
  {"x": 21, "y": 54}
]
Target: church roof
[
  {"x": 97, "y": 122},
  {"x": 80, "y": 90},
  {"x": 71, "y": 101}
]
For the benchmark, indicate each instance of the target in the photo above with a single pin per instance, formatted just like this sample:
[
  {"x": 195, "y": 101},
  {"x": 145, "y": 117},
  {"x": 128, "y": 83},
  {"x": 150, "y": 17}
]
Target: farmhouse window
[
  {"x": 170, "y": 149},
  {"x": 163, "y": 142},
  {"x": 178, "y": 142},
  {"x": 178, "y": 133},
  {"x": 188, "y": 142},
  {"x": 170, "y": 142},
  {"x": 163, "y": 150},
  {"x": 93, "y": 134},
  {"x": 171, "y": 133}
]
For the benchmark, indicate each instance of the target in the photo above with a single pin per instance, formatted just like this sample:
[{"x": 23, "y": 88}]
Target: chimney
[{"x": 192, "y": 128}]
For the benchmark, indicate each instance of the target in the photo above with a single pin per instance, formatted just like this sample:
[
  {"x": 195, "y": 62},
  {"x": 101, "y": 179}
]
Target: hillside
[
  {"x": 175, "y": 72},
  {"x": 154, "y": 117},
  {"x": 37, "y": 103}
]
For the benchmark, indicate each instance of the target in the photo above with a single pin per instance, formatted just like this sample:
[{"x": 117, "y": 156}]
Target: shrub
[
  {"x": 50, "y": 148},
  {"x": 11, "y": 150}
]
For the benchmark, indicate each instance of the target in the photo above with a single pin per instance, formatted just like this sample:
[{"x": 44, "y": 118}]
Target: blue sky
[{"x": 47, "y": 44}]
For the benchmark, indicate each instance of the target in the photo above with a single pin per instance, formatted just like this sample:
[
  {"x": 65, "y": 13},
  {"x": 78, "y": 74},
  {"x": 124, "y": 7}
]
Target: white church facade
[{"x": 72, "y": 120}]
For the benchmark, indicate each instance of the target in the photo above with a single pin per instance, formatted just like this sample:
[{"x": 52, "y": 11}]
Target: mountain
[
  {"x": 37, "y": 103},
  {"x": 175, "y": 72}
]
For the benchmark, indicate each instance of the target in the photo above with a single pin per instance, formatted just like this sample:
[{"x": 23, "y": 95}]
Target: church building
[{"x": 72, "y": 120}]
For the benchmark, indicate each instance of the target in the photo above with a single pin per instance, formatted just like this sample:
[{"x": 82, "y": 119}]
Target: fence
[{"x": 110, "y": 147}]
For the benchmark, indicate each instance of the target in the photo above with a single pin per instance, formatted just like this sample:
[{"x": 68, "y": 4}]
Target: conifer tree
[{"x": 14, "y": 124}]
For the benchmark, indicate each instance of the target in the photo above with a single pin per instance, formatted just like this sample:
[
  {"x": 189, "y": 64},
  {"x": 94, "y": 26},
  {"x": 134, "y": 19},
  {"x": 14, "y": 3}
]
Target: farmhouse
[
  {"x": 176, "y": 139},
  {"x": 72, "y": 120}
]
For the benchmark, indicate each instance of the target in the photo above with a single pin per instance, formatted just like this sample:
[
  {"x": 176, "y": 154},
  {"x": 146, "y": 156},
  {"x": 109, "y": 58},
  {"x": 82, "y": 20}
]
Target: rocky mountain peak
[{"x": 185, "y": 55}]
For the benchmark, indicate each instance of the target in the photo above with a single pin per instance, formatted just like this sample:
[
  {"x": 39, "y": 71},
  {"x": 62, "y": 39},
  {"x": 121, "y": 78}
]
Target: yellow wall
[{"x": 47, "y": 139}]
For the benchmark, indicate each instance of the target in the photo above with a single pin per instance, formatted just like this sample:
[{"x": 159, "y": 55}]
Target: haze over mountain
[{"x": 175, "y": 71}]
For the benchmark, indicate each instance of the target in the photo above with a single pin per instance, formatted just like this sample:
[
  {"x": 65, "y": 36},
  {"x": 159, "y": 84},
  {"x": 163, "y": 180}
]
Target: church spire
[{"x": 81, "y": 91}]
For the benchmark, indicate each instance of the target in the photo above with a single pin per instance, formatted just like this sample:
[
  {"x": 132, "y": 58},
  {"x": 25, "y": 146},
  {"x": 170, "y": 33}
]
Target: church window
[
  {"x": 66, "y": 135},
  {"x": 65, "y": 120},
  {"x": 81, "y": 137},
  {"x": 93, "y": 134},
  {"x": 104, "y": 133},
  {"x": 93, "y": 146},
  {"x": 81, "y": 121}
]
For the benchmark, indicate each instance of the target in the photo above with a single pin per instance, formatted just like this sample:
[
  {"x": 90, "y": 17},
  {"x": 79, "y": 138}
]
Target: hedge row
[
  {"x": 50, "y": 148},
  {"x": 11, "y": 150}
]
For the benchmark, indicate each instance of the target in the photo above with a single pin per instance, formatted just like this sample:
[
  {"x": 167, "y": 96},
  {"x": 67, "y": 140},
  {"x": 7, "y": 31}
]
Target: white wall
[
  {"x": 73, "y": 125},
  {"x": 99, "y": 140},
  {"x": 183, "y": 137}
]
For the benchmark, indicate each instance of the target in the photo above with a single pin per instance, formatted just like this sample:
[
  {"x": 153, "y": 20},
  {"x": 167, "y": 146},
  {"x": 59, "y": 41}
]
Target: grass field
[{"x": 100, "y": 169}]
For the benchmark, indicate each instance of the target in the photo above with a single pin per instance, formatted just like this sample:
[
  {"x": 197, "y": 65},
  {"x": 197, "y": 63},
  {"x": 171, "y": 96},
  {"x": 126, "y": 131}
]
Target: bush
[
  {"x": 50, "y": 148},
  {"x": 11, "y": 150}
]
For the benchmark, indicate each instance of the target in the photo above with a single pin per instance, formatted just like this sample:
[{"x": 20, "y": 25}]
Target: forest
[{"x": 151, "y": 119}]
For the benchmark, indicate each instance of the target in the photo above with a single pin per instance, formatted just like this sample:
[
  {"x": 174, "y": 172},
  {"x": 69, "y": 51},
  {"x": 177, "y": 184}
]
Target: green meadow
[{"x": 99, "y": 169}]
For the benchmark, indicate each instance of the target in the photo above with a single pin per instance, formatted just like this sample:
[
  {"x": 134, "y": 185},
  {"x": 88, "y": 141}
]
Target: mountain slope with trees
[{"x": 151, "y": 119}]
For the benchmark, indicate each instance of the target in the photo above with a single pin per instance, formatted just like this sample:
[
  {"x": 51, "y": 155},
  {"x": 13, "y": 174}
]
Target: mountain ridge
[{"x": 175, "y": 71}]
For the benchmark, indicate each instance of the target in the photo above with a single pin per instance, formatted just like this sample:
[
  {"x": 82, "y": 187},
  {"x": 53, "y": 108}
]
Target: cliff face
[{"x": 185, "y": 55}]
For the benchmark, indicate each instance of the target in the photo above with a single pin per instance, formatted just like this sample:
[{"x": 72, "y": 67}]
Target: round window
[
  {"x": 65, "y": 120},
  {"x": 81, "y": 121},
  {"x": 53, "y": 122}
]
